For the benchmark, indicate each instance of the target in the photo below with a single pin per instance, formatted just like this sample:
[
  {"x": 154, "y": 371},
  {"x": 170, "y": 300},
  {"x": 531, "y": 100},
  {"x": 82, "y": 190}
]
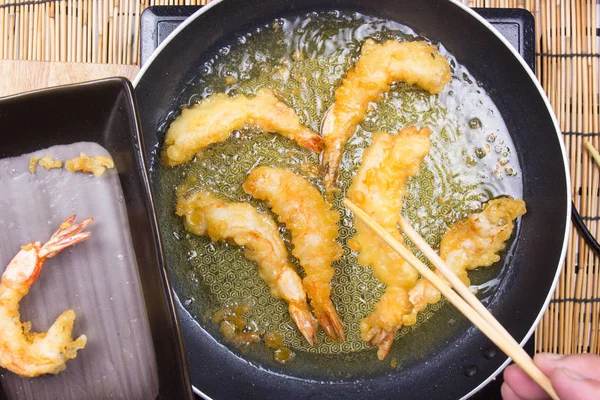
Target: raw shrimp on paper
[
  {"x": 380, "y": 65},
  {"x": 472, "y": 243},
  {"x": 205, "y": 214},
  {"x": 23, "y": 352},
  {"x": 214, "y": 119},
  {"x": 313, "y": 225},
  {"x": 378, "y": 189}
]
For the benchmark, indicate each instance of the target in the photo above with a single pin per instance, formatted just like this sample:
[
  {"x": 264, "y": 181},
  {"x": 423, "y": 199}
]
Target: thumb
[{"x": 569, "y": 385}]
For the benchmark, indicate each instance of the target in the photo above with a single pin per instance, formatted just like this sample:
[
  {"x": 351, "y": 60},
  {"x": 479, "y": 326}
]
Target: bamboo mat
[{"x": 567, "y": 57}]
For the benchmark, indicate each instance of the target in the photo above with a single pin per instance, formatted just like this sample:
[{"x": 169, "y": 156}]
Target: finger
[
  {"x": 522, "y": 385},
  {"x": 569, "y": 385},
  {"x": 586, "y": 365},
  {"x": 507, "y": 393}
]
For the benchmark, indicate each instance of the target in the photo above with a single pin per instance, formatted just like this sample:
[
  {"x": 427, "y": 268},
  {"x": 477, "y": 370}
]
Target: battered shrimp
[
  {"x": 379, "y": 66},
  {"x": 378, "y": 189},
  {"x": 23, "y": 352},
  {"x": 214, "y": 119},
  {"x": 313, "y": 225},
  {"x": 472, "y": 243},
  {"x": 204, "y": 214}
]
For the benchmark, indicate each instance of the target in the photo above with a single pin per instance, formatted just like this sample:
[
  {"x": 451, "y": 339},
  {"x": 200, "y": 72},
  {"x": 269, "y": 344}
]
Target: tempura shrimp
[
  {"x": 205, "y": 214},
  {"x": 378, "y": 189},
  {"x": 214, "y": 119},
  {"x": 472, "y": 243},
  {"x": 313, "y": 225},
  {"x": 379, "y": 66},
  {"x": 23, "y": 352}
]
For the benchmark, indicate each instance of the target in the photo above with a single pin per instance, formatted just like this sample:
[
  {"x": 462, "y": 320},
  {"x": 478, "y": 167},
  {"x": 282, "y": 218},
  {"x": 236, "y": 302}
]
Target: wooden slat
[
  {"x": 41, "y": 74},
  {"x": 104, "y": 31}
]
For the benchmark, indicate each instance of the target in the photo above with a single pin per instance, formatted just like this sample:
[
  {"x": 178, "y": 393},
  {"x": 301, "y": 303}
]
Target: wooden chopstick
[
  {"x": 593, "y": 152},
  {"x": 469, "y": 297},
  {"x": 499, "y": 336}
]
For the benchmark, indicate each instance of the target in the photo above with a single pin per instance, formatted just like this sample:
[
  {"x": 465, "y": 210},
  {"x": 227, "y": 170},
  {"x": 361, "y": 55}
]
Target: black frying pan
[{"x": 459, "y": 359}]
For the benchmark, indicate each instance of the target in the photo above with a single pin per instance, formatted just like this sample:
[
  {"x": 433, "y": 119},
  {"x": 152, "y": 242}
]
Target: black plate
[
  {"x": 461, "y": 359},
  {"x": 105, "y": 112}
]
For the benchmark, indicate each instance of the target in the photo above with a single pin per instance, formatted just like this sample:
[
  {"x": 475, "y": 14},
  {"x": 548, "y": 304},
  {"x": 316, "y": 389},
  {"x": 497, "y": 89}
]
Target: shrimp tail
[
  {"x": 311, "y": 141},
  {"x": 331, "y": 323},
  {"x": 330, "y": 170},
  {"x": 381, "y": 338},
  {"x": 304, "y": 321},
  {"x": 332, "y": 156},
  {"x": 66, "y": 235},
  {"x": 383, "y": 341},
  {"x": 27, "y": 264}
]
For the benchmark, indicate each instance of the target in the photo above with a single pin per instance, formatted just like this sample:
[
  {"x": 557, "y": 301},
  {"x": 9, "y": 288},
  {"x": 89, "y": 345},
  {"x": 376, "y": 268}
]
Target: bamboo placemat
[{"x": 567, "y": 57}]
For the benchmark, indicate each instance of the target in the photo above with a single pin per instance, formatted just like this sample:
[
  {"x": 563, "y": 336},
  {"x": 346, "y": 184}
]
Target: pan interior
[{"x": 304, "y": 58}]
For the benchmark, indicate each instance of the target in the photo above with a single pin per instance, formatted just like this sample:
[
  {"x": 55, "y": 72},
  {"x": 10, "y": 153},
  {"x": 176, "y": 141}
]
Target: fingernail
[
  {"x": 572, "y": 374},
  {"x": 551, "y": 356}
]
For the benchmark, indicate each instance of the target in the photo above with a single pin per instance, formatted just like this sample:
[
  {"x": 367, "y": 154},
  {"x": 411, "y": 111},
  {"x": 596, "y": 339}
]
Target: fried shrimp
[
  {"x": 214, "y": 119},
  {"x": 378, "y": 189},
  {"x": 379, "y": 66},
  {"x": 472, "y": 243},
  {"x": 23, "y": 352},
  {"x": 205, "y": 214},
  {"x": 314, "y": 229}
]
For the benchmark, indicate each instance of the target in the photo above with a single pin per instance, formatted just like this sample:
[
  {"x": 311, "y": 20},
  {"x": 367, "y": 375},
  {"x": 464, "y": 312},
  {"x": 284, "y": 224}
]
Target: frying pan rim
[
  {"x": 533, "y": 78},
  {"x": 563, "y": 252}
]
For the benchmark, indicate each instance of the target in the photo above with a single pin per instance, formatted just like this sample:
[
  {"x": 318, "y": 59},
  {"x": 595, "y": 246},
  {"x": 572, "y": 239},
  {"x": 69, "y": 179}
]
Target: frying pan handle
[{"x": 583, "y": 230}]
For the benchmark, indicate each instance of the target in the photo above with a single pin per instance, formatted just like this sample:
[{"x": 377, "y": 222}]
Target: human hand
[{"x": 573, "y": 377}]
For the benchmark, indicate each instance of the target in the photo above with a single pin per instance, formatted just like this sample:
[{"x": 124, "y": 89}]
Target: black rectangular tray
[{"x": 105, "y": 112}]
